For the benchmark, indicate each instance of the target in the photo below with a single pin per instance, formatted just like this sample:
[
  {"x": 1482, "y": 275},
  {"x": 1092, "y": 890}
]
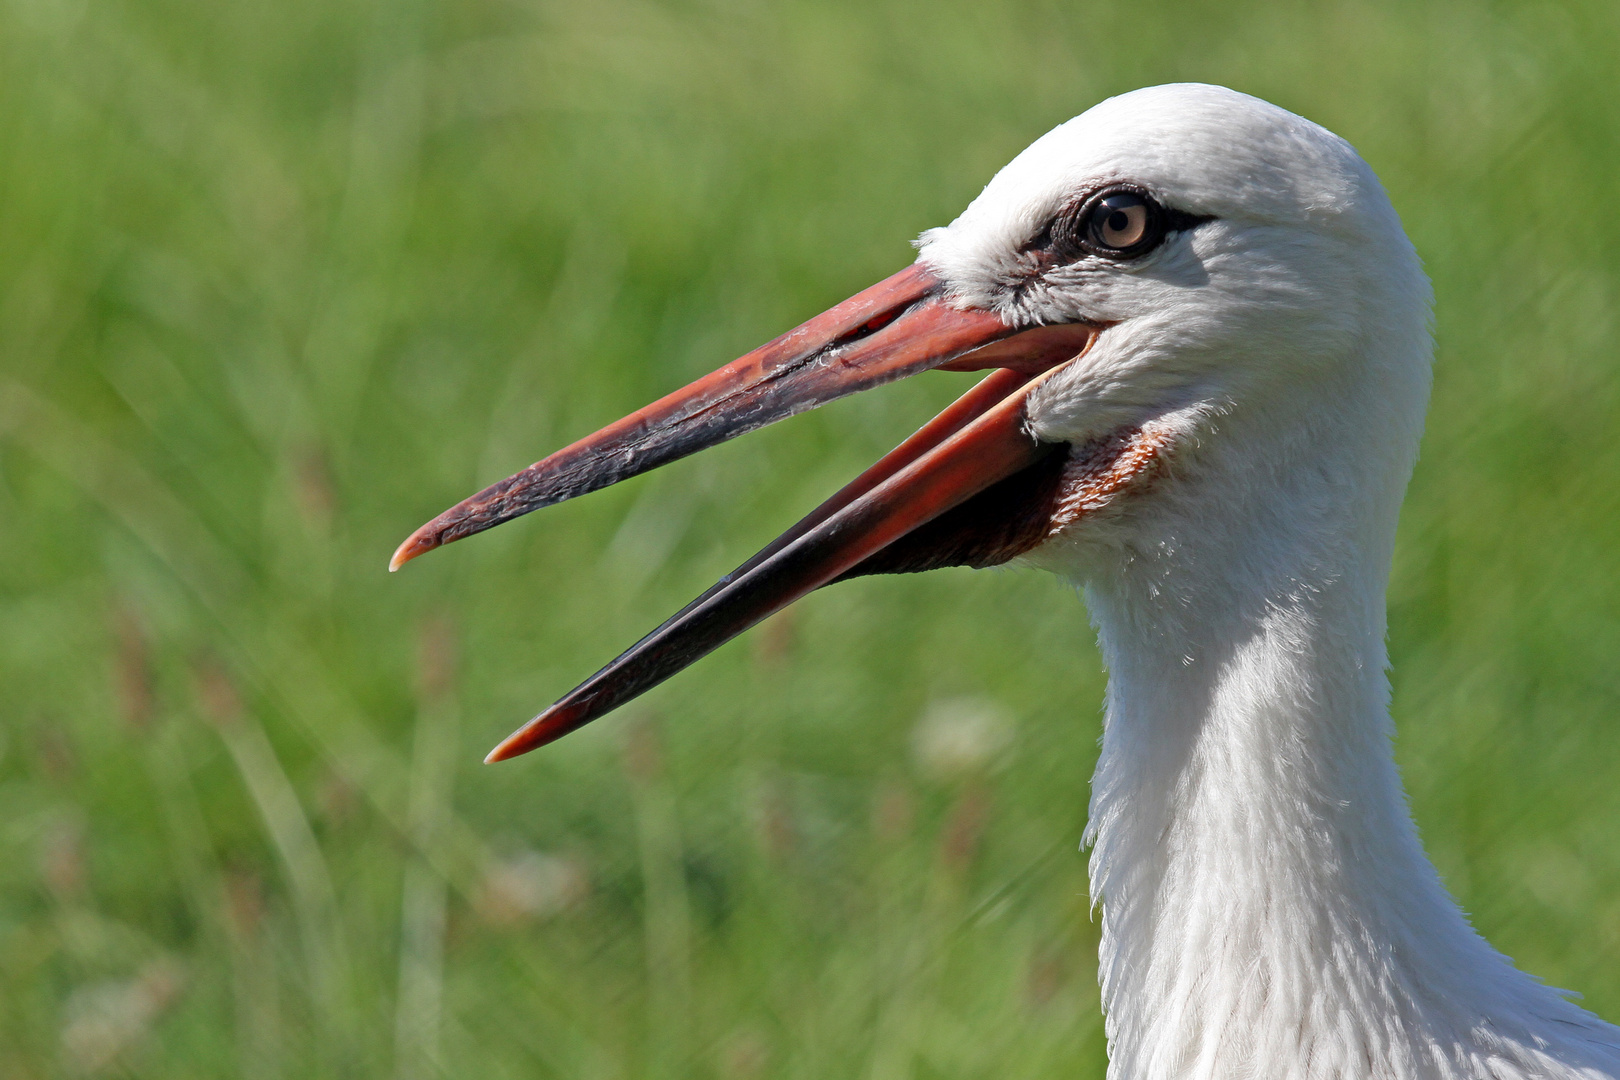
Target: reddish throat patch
[{"x": 1096, "y": 474}]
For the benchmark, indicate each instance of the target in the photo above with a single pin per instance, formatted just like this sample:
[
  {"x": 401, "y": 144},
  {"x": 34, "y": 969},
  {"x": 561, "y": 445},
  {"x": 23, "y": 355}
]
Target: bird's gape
[
  {"x": 1028, "y": 508},
  {"x": 972, "y": 487}
]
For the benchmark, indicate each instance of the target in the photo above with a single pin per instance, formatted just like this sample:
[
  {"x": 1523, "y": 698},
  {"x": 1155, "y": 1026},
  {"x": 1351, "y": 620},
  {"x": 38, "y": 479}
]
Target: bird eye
[{"x": 1122, "y": 223}]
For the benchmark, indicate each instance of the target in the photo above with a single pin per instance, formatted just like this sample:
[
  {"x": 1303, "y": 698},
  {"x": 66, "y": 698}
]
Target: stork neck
[{"x": 1267, "y": 907}]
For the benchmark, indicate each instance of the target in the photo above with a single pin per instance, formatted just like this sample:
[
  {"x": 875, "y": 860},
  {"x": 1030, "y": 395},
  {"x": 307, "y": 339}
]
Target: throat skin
[{"x": 1267, "y": 907}]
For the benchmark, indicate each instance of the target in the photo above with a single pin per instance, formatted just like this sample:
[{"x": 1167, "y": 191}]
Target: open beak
[{"x": 898, "y": 327}]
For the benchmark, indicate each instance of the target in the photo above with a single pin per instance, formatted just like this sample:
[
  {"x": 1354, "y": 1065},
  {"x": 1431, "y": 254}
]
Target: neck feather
[{"x": 1268, "y": 910}]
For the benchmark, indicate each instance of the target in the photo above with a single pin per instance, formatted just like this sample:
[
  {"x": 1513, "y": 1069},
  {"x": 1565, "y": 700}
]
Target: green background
[{"x": 278, "y": 282}]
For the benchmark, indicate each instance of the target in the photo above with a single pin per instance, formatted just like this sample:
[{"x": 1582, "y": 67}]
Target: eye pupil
[{"x": 1118, "y": 221}]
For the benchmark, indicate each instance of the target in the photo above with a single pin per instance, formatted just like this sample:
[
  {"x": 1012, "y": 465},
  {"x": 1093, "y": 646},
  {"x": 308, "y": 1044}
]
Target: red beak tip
[
  {"x": 414, "y": 545},
  {"x": 505, "y": 749},
  {"x": 518, "y": 743},
  {"x": 544, "y": 729}
]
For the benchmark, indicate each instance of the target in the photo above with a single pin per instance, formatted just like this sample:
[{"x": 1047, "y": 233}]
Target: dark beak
[{"x": 899, "y": 327}]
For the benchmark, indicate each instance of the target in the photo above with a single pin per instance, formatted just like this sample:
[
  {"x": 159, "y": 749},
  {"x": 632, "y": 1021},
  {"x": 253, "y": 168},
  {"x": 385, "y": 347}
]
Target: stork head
[
  {"x": 1267, "y": 341},
  {"x": 1187, "y": 297}
]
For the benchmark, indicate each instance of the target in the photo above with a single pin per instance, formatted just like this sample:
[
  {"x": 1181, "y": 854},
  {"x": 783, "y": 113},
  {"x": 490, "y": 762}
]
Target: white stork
[{"x": 1211, "y": 346}]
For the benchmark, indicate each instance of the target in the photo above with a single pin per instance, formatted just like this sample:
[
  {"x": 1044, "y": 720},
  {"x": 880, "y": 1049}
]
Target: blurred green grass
[{"x": 279, "y": 282}]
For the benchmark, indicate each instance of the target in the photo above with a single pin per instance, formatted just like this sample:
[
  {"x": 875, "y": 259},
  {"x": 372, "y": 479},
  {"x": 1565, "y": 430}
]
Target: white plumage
[{"x": 1267, "y": 908}]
